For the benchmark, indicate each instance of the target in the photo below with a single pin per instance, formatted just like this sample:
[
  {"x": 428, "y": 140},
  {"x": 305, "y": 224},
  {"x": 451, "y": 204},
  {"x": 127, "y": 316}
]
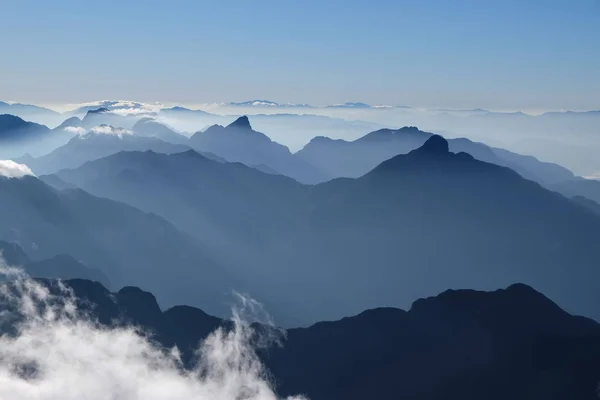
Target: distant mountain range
[
  {"x": 507, "y": 344},
  {"x": 429, "y": 213},
  {"x": 291, "y": 235},
  {"x": 14, "y": 129},
  {"x": 18, "y": 136},
  {"x": 568, "y": 138},
  {"x": 340, "y": 158},
  {"x": 267, "y": 103},
  {"x": 102, "y": 141},
  {"x": 226, "y": 205},
  {"x": 121, "y": 107},
  {"x": 149, "y": 127},
  {"x": 238, "y": 142},
  {"x": 31, "y": 112},
  {"x": 127, "y": 245}
]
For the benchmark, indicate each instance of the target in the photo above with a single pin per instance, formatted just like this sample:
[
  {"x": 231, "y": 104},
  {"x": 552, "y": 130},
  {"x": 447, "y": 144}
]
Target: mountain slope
[
  {"x": 61, "y": 266},
  {"x": 149, "y": 127},
  {"x": 102, "y": 141},
  {"x": 416, "y": 224},
  {"x": 589, "y": 188},
  {"x": 433, "y": 219},
  {"x": 15, "y": 129},
  {"x": 468, "y": 345},
  {"x": 103, "y": 116},
  {"x": 227, "y": 205},
  {"x": 18, "y": 137},
  {"x": 339, "y": 158},
  {"x": 128, "y": 245},
  {"x": 31, "y": 112},
  {"x": 238, "y": 142}
]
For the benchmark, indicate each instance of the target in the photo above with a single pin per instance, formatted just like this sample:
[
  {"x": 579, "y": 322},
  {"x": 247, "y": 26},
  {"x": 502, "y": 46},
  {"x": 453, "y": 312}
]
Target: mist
[{"x": 58, "y": 352}]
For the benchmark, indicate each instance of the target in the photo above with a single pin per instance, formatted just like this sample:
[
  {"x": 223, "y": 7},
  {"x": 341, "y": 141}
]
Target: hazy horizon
[
  {"x": 211, "y": 106},
  {"x": 502, "y": 56}
]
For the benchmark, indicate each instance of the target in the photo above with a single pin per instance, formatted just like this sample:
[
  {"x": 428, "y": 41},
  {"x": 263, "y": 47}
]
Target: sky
[{"x": 505, "y": 55}]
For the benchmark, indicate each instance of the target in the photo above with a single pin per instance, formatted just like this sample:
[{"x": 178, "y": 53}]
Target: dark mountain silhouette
[
  {"x": 18, "y": 137},
  {"x": 340, "y": 158},
  {"x": 126, "y": 244},
  {"x": 72, "y": 122},
  {"x": 14, "y": 129},
  {"x": 149, "y": 127},
  {"x": 432, "y": 213},
  {"x": 238, "y": 142},
  {"x": 460, "y": 345},
  {"x": 421, "y": 222},
  {"x": 97, "y": 144},
  {"x": 61, "y": 266},
  {"x": 227, "y": 205}
]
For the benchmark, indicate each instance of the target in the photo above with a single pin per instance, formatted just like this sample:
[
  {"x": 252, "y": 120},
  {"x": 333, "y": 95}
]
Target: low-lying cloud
[
  {"x": 110, "y": 130},
  {"x": 75, "y": 129},
  {"x": 11, "y": 169},
  {"x": 59, "y": 353}
]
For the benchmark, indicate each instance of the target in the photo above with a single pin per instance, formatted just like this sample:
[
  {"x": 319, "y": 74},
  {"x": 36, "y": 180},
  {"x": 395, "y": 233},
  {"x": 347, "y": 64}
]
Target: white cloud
[
  {"x": 110, "y": 130},
  {"x": 58, "y": 353},
  {"x": 75, "y": 129},
  {"x": 131, "y": 111},
  {"x": 11, "y": 169}
]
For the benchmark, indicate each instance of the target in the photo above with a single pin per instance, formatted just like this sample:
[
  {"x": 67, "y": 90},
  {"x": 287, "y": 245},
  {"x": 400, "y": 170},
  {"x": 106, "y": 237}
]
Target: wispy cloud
[
  {"x": 58, "y": 352},
  {"x": 75, "y": 129},
  {"x": 110, "y": 130},
  {"x": 11, "y": 169}
]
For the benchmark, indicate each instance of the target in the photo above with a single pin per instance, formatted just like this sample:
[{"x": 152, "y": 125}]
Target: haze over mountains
[
  {"x": 290, "y": 235},
  {"x": 195, "y": 206},
  {"x": 568, "y": 138},
  {"x": 229, "y": 185}
]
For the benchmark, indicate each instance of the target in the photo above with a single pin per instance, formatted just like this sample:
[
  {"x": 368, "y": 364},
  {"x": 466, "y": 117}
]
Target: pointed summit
[
  {"x": 434, "y": 145},
  {"x": 242, "y": 123}
]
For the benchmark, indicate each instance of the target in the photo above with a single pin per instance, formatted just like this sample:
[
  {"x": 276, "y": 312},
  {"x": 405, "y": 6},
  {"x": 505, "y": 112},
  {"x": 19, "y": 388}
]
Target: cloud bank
[
  {"x": 11, "y": 169},
  {"x": 110, "y": 130},
  {"x": 75, "y": 129},
  {"x": 58, "y": 353}
]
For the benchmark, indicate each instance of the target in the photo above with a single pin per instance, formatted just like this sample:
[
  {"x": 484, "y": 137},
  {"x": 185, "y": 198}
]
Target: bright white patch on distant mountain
[
  {"x": 110, "y": 130},
  {"x": 350, "y": 105},
  {"x": 75, "y": 129},
  {"x": 11, "y": 169},
  {"x": 265, "y": 103},
  {"x": 121, "y": 107}
]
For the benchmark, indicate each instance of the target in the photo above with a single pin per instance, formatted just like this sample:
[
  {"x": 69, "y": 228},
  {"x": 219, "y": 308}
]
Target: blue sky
[{"x": 508, "y": 54}]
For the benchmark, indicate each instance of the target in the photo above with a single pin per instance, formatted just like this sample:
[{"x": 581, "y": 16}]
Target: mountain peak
[
  {"x": 98, "y": 110},
  {"x": 434, "y": 145},
  {"x": 242, "y": 122},
  {"x": 11, "y": 121}
]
